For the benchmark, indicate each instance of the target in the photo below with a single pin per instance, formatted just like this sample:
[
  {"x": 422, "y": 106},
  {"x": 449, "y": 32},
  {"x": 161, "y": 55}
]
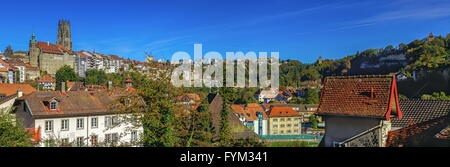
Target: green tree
[
  {"x": 64, "y": 74},
  {"x": 436, "y": 96},
  {"x": 295, "y": 100},
  {"x": 201, "y": 127},
  {"x": 12, "y": 134},
  {"x": 9, "y": 52},
  {"x": 96, "y": 77},
  {"x": 225, "y": 137},
  {"x": 312, "y": 96},
  {"x": 314, "y": 121}
]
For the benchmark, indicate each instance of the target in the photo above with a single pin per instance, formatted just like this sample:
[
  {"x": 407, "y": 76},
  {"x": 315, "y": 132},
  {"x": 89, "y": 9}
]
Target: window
[
  {"x": 289, "y": 119},
  {"x": 80, "y": 141},
  {"x": 108, "y": 121},
  {"x": 94, "y": 140},
  {"x": 275, "y": 132},
  {"x": 94, "y": 122},
  {"x": 134, "y": 136},
  {"x": 53, "y": 106},
  {"x": 295, "y": 125},
  {"x": 296, "y": 131},
  {"x": 282, "y": 132},
  {"x": 48, "y": 126},
  {"x": 275, "y": 120},
  {"x": 115, "y": 120},
  {"x": 65, "y": 125},
  {"x": 289, "y": 132},
  {"x": 289, "y": 125},
  {"x": 111, "y": 138},
  {"x": 80, "y": 123},
  {"x": 282, "y": 119},
  {"x": 275, "y": 126},
  {"x": 282, "y": 126}
]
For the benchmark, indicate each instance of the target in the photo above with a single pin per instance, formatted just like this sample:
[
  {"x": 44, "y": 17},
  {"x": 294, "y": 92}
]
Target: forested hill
[{"x": 425, "y": 55}]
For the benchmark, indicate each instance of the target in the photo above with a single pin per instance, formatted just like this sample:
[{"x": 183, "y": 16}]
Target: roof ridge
[{"x": 360, "y": 76}]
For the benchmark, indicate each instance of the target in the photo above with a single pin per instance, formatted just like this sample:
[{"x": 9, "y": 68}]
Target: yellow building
[{"x": 284, "y": 121}]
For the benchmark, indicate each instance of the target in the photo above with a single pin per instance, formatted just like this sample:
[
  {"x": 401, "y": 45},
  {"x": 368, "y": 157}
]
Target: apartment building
[
  {"x": 284, "y": 121},
  {"x": 76, "y": 118}
]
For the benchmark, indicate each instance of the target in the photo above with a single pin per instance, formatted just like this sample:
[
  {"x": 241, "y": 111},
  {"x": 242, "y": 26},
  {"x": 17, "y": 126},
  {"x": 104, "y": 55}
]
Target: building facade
[
  {"x": 284, "y": 121},
  {"x": 77, "y": 118},
  {"x": 355, "y": 107}
]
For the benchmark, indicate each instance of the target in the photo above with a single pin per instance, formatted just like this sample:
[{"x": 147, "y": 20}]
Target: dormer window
[{"x": 53, "y": 105}]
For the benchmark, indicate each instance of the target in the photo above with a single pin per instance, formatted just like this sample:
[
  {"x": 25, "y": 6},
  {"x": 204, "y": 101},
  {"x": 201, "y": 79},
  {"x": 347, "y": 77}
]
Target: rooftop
[
  {"x": 360, "y": 96},
  {"x": 11, "y": 89},
  {"x": 418, "y": 111}
]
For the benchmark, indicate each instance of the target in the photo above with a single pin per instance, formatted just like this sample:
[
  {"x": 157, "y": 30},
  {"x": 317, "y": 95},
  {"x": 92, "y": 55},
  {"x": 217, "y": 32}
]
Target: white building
[
  {"x": 77, "y": 118},
  {"x": 253, "y": 116}
]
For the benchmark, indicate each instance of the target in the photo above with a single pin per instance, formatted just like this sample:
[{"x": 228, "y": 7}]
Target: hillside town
[{"x": 66, "y": 98}]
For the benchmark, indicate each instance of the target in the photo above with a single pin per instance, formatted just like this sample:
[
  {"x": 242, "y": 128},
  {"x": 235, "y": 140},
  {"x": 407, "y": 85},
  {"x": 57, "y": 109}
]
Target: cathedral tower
[{"x": 64, "y": 34}]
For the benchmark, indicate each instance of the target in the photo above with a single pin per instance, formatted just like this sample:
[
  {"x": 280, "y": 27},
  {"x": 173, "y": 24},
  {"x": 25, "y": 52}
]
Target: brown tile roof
[
  {"x": 283, "y": 112},
  {"x": 417, "y": 111},
  {"x": 71, "y": 103},
  {"x": 249, "y": 111},
  {"x": 52, "y": 48},
  {"x": 361, "y": 96},
  {"x": 6, "y": 66},
  {"x": 11, "y": 89},
  {"x": 419, "y": 134},
  {"x": 47, "y": 78},
  {"x": 189, "y": 97},
  {"x": 444, "y": 134}
]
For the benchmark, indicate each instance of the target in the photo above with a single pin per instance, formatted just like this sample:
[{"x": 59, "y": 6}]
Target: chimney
[
  {"x": 19, "y": 93},
  {"x": 63, "y": 87},
  {"x": 48, "y": 43}
]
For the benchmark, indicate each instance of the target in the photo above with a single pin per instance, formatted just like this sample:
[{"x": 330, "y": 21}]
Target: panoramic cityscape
[{"x": 363, "y": 86}]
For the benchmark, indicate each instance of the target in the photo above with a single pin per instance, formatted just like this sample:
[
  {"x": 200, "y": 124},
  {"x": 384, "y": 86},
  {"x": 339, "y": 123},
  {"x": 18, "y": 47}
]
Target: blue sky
[{"x": 298, "y": 29}]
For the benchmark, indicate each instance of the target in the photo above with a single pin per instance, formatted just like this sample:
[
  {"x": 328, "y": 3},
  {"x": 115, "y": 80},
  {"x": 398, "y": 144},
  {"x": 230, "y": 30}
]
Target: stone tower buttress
[{"x": 34, "y": 52}]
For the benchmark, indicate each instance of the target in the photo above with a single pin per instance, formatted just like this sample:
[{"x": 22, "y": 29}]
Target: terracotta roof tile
[
  {"x": 11, "y": 89},
  {"x": 283, "y": 112},
  {"x": 51, "y": 48},
  {"x": 249, "y": 111},
  {"x": 361, "y": 96},
  {"x": 47, "y": 78}
]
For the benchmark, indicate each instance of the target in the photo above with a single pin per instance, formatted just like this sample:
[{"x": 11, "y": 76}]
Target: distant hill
[{"x": 428, "y": 58}]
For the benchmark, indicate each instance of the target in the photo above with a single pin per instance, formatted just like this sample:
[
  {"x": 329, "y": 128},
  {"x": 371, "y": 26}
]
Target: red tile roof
[
  {"x": 6, "y": 66},
  {"x": 249, "y": 111},
  {"x": 47, "y": 78},
  {"x": 52, "y": 48},
  {"x": 414, "y": 134},
  {"x": 283, "y": 112},
  {"x": 11, "y": 89},
  {"x": 361, "y": 96}
]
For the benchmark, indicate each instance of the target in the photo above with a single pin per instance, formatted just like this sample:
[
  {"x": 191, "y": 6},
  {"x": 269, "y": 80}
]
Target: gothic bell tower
[{"x": 64, "y": 34}]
